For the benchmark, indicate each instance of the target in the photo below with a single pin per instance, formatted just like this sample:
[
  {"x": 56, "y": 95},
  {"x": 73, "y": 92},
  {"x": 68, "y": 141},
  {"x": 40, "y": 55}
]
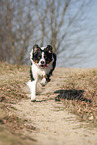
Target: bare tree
[
  {"x": 16, "y": 29},
  {"x": 26, "y": 22},
  {"x": 61, "y": 22}
]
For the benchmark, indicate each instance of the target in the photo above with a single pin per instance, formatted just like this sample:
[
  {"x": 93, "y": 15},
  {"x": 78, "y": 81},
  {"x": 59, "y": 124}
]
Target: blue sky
[
  {"x": 92, "y": 60},
  {"x": 90, "y": 47}
]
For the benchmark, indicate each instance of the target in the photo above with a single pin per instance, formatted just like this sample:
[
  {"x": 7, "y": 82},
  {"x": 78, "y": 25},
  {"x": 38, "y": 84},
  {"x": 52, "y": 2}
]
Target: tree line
[{"x": 27, "y": 22}]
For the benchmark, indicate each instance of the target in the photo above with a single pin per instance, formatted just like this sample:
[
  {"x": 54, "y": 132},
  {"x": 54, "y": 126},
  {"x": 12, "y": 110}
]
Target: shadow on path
[{"x": 71, "y": 95}]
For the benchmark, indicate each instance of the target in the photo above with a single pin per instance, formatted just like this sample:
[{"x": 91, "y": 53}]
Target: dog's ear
[
  {"x": 35, "y": 48},
  {"x": 49, "y": 48}
]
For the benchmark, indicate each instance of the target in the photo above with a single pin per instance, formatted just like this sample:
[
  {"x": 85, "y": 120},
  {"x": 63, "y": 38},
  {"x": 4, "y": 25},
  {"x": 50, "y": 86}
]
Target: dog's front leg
[
  {"x": 44, "y": 80},
  {"x": 32, "y": 85},
  {"x": 33, "y": 91}
]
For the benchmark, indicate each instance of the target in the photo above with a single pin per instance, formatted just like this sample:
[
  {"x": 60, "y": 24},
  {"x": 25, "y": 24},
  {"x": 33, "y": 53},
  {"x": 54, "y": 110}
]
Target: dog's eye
[
  {"x": 39, "y": 57},
  {"x": 45, "y": 56}
]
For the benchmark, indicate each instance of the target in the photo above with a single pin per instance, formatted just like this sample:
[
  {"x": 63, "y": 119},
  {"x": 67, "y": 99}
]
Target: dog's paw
[
  {"x": 43, "y": 82},
  {"x": 33, "y": 97},
  {"x": 33, "y": 100}
]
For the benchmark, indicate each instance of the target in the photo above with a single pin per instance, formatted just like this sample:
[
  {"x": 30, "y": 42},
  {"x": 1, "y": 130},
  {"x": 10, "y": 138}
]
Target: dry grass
[
  {"x": 80, "y": 94},
  {"x": 12, "y": 79}
]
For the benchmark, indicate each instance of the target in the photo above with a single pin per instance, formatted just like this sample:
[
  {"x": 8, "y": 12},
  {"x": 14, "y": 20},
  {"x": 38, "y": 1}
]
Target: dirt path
[{"x": 54, "y": 125}]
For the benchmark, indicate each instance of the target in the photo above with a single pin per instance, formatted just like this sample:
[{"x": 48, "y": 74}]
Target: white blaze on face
[
  {"x": 43, "y": 54},
  {"x": 42, "y": 48},
  {"x": 42, "y": 57}
]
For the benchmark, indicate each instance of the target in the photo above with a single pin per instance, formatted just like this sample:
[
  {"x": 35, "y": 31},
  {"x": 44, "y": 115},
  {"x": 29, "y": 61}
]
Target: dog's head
[{"x": 42, "y": 56}]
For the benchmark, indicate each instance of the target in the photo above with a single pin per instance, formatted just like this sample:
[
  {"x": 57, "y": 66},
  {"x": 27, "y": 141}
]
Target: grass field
[
  {"x": 12, "y": 79},
  {"x": 78, "y": 92}
]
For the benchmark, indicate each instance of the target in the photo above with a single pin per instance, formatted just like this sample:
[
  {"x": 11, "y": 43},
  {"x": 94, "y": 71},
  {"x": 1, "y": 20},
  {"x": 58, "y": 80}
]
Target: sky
[
  {"x": 92, "y": 60},
  {"x": 91, "y": 50}
]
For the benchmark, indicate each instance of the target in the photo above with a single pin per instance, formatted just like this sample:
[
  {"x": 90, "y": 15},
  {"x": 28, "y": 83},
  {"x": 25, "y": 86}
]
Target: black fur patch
[
  {"x": 31, "y": 75},
  {"x": 54, "y": 65},
  {"x": 47, "y": 56},
  {"x": 36, "y": 54}
]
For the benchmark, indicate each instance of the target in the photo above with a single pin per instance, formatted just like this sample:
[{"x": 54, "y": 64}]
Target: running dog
[{"x": 43, "y": 62}]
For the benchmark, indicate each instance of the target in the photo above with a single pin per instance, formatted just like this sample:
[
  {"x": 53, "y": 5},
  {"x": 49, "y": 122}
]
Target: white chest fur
[{"x": 38, "y": 72}]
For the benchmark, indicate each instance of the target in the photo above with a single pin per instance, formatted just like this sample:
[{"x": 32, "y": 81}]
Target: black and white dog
[{"x": 43, "y": 62}]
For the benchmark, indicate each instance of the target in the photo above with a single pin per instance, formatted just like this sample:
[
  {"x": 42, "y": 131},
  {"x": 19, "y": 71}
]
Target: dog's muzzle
[{"x": 42, "y": 64}]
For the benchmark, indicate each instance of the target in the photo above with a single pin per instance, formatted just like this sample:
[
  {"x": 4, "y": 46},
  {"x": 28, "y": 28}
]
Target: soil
[{"x": 54, "y": 124}]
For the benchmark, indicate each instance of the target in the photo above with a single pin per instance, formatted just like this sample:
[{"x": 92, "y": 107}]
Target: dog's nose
[{"x": 42, "y": 62}]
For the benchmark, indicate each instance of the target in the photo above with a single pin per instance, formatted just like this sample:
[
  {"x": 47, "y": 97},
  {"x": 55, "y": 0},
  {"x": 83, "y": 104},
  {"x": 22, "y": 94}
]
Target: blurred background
[{"x": 70, "y": 26}]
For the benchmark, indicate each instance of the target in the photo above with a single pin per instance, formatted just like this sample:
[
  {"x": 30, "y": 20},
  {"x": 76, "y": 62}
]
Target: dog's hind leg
[{"x": 32, "y": 85}]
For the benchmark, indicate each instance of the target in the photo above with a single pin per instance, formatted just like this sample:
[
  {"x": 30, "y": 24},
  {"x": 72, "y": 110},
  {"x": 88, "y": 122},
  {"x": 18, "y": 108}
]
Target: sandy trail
[{"x": 54, "y": 125}]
